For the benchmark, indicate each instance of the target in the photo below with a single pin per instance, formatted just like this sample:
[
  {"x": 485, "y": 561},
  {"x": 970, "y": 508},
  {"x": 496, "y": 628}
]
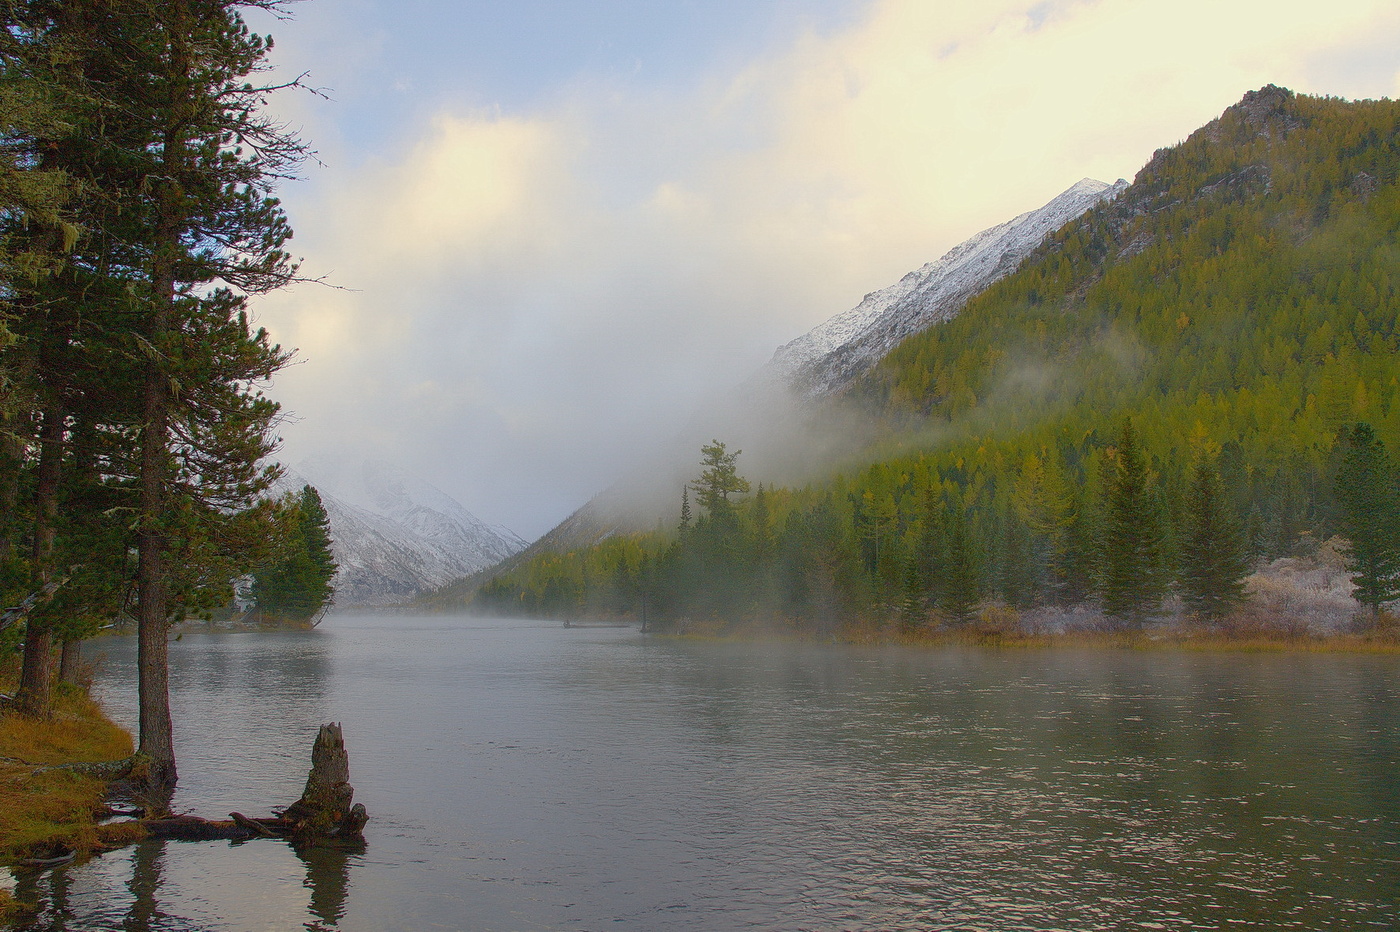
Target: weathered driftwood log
[{"x": 326, "y": 809}]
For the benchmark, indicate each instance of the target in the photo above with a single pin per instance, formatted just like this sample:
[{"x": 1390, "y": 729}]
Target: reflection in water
[
  {"x": 328, "y": 879},
  {"x": 144, "y": 911},
  {"x": 597, "y": 778},
  {"x": 140, "y": 883}
]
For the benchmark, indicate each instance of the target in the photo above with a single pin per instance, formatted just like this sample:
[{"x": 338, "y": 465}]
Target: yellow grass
[{"x": 40, "y": 811}]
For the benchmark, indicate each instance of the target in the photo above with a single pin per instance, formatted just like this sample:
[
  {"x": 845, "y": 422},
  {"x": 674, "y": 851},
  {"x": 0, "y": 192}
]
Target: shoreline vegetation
[
  {"x": 47, "y": 812},
  {"x": 64, "y": 776},
  {"x": 1301, "y": 603}
]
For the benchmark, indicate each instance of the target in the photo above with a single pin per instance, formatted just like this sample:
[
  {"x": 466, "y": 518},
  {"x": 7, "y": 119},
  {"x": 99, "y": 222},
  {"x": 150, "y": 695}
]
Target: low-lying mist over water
[{"x": 521, "y": 775}]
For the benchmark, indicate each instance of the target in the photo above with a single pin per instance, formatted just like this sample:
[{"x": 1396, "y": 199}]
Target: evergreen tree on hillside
[
  {"x": 1045, "y": 502},
  {"x": 1370, "y": 517},
  {"x": 960, "y": 589},
  {"x": 1213, "y": 564},
  {"x": 718, "y": 480},
  {"x": 1133, "y": 582},
  {"x": 684, "y": 527},
  {"x": 298, "y": 586}
]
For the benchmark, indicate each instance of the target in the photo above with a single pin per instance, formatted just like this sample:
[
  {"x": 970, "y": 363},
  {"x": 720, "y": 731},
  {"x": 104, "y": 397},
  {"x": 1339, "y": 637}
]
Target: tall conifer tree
[
  {"x": 298, "y": 585},
  {"x": 1370, "y": 512},
  {"x": 167, "y": 139},
  {"x": 960, "y": 590},
  {"x": 1133, "y": 579},
  {"x": 1213, "y": 564}
]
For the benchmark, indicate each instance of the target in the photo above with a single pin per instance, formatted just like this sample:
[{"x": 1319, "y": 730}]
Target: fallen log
[{"x": 325, "y": 811}]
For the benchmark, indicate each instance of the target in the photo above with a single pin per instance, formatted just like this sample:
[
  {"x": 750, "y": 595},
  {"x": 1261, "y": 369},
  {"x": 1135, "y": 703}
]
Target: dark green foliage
[
  {"x": 1133, "y": 578},
  {"x": 137, "y": 217},
  {"x": 1241, "y": 297},
  {"x": 960, "y": 590},
  {"x": 1370, "y": 516},
  {"x": 1019, "y": 579},
  {"x": 297, "y": 587},
  {"x": 1213, "y": 565},
  {"x": 718, "y": 480}
]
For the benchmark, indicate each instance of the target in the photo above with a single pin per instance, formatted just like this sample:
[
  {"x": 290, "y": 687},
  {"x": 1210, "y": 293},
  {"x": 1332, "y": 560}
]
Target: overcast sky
[{"x": 559, "y": 225}]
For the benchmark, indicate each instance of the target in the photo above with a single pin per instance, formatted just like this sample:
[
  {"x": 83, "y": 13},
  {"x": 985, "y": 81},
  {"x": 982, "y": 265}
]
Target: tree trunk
[
  {"x": 35, "y": 694},
  {"x": 327, "y": 806},
  {"x": 70, "y": 661},
  {"x": 153, "y": 673},
  {"x": 11, "y": 458},
  {"x": 152, "y": 647}
]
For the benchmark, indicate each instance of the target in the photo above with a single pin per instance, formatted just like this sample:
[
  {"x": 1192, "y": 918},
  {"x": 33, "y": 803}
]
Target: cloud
[{"x": 536, "y": 298}]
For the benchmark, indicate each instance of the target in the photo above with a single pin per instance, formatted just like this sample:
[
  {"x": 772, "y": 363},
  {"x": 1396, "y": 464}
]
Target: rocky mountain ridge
[{"x": 831, "y": 356}]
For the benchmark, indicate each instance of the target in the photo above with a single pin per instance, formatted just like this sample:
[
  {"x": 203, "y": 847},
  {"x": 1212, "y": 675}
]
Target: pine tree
[
  {"x": 1133, "y": 582},
  {"x": 1045, "y": 503},
  {"x": 684, "y": 527},
  {"x": 718, "y": 481},
  {"x": 1075, "y": 568},
  {"x": 960, "y": 591},
  {"x": 1213, "y": 564},
  {"x": 1017, "y": 580},
  {"x": 146, "y": 326},
  {"x": 1370, "y": 517},
  {"x": 298, "y": 586},
  {"x": 762, "y": 531}
]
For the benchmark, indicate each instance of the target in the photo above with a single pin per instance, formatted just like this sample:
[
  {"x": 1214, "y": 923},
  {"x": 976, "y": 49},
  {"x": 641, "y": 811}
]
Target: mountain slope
[
  {"x": 816, "y": 365},
  {"x": 834, "y": 354},
  {"x": 395, "y": 536},
  {"x": 1238, "y": 304}
]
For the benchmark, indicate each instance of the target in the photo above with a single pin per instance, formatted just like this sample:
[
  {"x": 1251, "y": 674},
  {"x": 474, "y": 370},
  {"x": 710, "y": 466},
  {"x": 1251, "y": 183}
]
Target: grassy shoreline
[{"x": 45, "y": 811}]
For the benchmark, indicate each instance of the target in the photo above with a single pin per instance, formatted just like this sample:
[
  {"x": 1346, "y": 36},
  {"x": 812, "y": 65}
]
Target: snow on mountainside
[
  {"x": 834, "y": 354},
  {"x": 762, "y": 416},
  {"x": 395, "y": 536}
]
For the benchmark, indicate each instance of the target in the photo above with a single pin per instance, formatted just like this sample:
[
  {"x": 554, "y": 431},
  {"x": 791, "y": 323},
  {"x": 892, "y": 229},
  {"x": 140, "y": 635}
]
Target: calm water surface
[{"x": 521, "y": 776}]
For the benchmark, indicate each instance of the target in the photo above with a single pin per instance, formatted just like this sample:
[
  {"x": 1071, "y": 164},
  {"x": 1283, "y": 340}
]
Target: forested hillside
[{"x": 1165, "y": 391}]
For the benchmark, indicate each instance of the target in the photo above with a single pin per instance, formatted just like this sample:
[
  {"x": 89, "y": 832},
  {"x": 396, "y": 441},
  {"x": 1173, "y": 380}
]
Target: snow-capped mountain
[
  {"x": 785, "y": 438},
  {"x": 830, "y": 356},
  {"x": 395, "y": 536}
]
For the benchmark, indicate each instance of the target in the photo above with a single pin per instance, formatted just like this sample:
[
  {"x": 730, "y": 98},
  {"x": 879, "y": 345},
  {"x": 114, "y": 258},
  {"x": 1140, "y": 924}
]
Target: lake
[{"x": 524, "y": 776}]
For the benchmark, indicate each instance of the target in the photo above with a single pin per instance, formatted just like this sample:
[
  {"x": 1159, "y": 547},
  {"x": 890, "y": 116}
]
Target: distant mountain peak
[
  {"x": 832, "y": 355},
  {"x": 396, "y": 536}
]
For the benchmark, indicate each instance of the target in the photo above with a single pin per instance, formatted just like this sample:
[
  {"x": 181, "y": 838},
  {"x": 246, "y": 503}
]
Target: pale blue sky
[
  {"x": 410, "y": 58},
  {"x": 561, "y": 226}
]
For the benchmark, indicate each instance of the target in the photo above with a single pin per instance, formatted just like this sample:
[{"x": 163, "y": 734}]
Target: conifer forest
[{"x": 1194, "y": 377}]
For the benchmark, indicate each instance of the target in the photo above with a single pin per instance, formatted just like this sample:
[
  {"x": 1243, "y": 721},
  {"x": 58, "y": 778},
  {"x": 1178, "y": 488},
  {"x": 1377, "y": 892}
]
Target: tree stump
[
  {"x": 327, "y": 807},
  {"x": 326, "y": 811}
]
